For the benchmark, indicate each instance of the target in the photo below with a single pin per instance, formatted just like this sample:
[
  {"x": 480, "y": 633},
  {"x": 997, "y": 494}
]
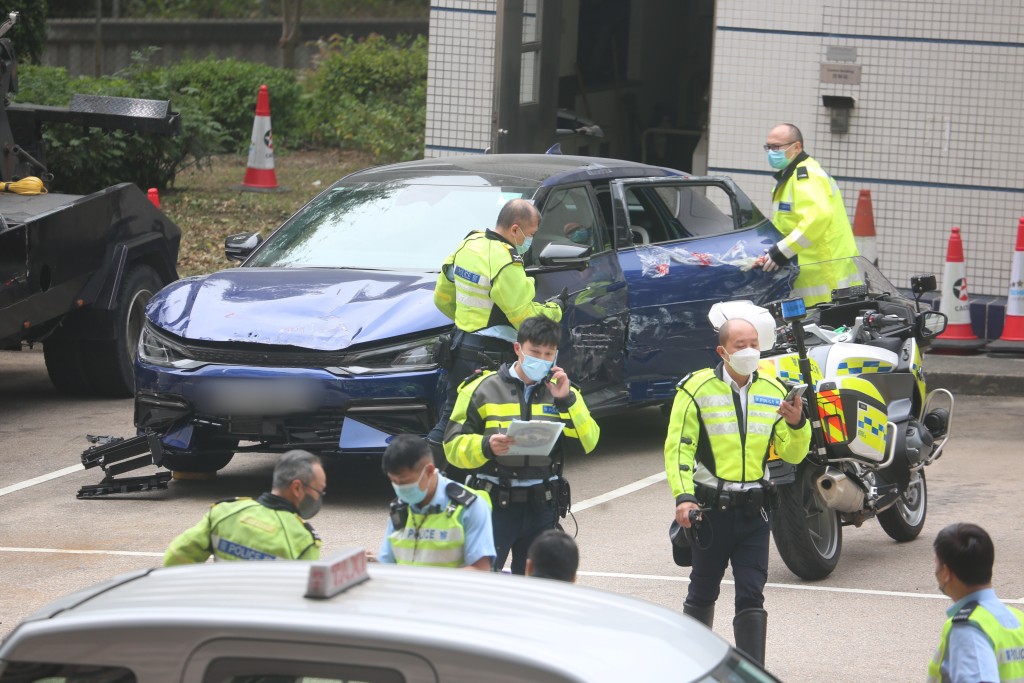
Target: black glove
[{"x": 562, "y": 298}]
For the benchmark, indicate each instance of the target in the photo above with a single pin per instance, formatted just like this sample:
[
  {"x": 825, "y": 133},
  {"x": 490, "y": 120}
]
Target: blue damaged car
[{"x": 324, "y": 338}]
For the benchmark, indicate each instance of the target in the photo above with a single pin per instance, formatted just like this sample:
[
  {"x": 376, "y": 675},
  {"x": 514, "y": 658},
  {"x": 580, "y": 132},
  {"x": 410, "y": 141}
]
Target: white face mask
[{"x": 744, "y": 361}]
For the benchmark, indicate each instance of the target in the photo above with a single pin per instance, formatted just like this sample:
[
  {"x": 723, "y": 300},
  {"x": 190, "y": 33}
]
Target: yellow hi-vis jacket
[
  {"x": 435, "y": 537},
  {"x": 487, "y": 404},
  {"x": 1007, "y": 643},
  {"x": 808, "y": 210},
  {"x": 707, "y": 428},
  {"x": 484, "y": 283},
  {"x": 246, "y": 529}
]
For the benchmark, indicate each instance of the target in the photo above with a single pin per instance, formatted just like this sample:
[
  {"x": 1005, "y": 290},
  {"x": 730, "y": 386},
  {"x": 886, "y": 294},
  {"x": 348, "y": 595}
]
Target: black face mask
[{"x": 310, "y": 506}]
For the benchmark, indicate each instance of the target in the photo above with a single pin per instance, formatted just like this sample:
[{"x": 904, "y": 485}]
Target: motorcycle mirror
[
  {"x": 919, "y": 284},
  {"x": 932, "y": 324}
]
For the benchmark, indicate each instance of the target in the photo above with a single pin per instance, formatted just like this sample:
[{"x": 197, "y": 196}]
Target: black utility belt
[
  {"x": 750, "y": 499},
  {"x": 503, "y": 494}
]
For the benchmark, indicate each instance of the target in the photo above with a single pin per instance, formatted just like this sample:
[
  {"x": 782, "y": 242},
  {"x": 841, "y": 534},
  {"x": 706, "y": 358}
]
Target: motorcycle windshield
[{"x": 850, "y": 272}]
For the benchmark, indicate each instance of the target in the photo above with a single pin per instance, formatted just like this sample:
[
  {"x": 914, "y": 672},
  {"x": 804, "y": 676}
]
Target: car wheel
[
  {"x": 111, "y": 362},
  {"x": 63, "y": 354},
  {"x": 201, "y": 462}
]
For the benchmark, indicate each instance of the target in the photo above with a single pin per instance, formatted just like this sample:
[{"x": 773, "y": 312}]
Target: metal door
[{"x": 526, "y": 75}]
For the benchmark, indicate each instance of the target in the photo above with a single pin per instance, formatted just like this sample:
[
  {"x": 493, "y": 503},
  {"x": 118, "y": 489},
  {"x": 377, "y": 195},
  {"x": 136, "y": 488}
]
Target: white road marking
[
  {"x": 63, "y": 551},
  {"x": 619, "y": 492},
  {"x": 40, "y": 479},
  {"x": 792, "y": 586}
]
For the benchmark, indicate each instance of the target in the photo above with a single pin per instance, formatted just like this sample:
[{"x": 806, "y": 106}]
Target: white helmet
[{"x": 759, "y": 317}]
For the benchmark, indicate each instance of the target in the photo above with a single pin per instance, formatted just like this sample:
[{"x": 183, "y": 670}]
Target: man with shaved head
[
  {"x": 484, "y": 288},
  {"x": 724, "y": 422}
]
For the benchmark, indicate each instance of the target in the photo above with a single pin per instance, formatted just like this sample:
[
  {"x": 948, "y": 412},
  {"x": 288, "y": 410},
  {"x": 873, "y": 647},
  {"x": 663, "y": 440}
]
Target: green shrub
[
  {"x": 226, "y": 90},
  {"x": 370, "y": 95},
  {"x": 87, "y": 161}
]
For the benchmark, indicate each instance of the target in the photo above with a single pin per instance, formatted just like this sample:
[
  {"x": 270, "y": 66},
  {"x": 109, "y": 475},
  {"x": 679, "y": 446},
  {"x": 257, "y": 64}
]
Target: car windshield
[{"x": 402, "y": 225}]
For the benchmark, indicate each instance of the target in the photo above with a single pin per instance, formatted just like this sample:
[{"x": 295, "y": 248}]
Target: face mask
[
  {"x": 777, "y": 159},
  {"x": 535, "y": 368},
  {"x": 411, "y": 493},
  {"x": 310, "y": 506},
  {"x": 744, "y": 361},
  {"x": 525, "y": 246},
  {"x": 581, "y": 236}
]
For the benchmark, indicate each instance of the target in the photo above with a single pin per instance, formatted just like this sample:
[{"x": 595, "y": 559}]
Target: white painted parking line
[
  {"x": 791, "y": 586},
  {"x": 619, "y": 492},
  {"x": 40, "y": 479},
  {"x": 63, "y": 551}
]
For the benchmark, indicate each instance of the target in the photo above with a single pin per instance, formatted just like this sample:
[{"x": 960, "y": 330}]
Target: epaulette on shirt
[
  {"x": 232, "y": 500},
  {"x": 475, "y": 375},
  {"x": 460, "y": 494},
  {"x": 516, "y": 256},
  {"x": 691, "y": 375},
  {"x": 310, "y": 529},
  {"x": 801, "y": 173},
  {"x": 964, "y": 613}
]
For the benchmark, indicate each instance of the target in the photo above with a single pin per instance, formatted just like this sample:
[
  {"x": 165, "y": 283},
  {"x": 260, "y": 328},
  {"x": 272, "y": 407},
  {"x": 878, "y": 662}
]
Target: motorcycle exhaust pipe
[{"x": 840, "y": 492}]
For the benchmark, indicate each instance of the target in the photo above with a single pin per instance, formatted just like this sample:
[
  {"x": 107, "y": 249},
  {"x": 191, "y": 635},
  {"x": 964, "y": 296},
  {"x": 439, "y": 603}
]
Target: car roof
[
  {"x": 572, "y": 631},
  {"x": 524, "y": 170}
]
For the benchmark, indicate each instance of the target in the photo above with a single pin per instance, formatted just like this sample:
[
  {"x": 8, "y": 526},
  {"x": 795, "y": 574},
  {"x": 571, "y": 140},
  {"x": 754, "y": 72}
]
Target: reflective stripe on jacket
[
  {"x": 488, "y": 403},
  {"x": 484, "y": 283},
  {"x": 706, "y": 428},
  {"x": 1007, "y": 643},
  {"x": 808, "y": 210},
  {"x": 435, "y": 537},
  {"x": 246, "y": 529}
]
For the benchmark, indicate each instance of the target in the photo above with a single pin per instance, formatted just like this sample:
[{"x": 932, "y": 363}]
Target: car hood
[{"x": 325, "y": 309}]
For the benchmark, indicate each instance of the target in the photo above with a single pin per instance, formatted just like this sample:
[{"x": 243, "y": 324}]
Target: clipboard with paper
[{"x": 534, "y": 441}]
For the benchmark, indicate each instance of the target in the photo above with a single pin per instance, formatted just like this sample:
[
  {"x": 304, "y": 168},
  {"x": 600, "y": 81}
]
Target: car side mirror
[
  {"x": 557, "y": 256},
  {"x": 919, "y": 284},
  {"x": 238, "y": 247},
  {"x": 931, "y": 324}
]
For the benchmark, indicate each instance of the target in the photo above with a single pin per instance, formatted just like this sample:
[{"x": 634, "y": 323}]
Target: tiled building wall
[
  {"x": 460, "y": 77},
  {"x": 936, "y": 132}
]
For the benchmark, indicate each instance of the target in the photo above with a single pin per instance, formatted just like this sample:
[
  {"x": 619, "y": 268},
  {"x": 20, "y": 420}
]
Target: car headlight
[
  {"x": 408, "y": 357},
  {"x": 158, "y": 350}
]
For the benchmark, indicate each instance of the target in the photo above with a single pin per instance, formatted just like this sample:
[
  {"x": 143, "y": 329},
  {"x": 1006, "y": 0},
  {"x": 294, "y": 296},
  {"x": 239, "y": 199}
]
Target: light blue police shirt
[
  {"x": 476, "y": 522},
  {"x": 970, "y": 655}
]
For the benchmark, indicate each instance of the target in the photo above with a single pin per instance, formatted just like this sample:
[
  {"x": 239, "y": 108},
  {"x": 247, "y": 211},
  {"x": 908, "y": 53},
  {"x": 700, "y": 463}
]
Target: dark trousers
[
  {"x": 734, "y": 536},
  {"x": 471, "y": 351},
  {"x": 515, "y": 528}
]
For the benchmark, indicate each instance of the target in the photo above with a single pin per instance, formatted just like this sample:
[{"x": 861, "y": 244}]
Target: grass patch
[{"x": 207, "y": 206}]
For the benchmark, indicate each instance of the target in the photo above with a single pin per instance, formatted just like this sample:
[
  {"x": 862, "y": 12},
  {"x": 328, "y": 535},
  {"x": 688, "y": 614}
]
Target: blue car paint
[{"x": 324, "y": 309}]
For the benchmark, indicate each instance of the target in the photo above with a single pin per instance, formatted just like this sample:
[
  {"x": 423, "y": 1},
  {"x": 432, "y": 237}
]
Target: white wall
[{"x": 936, "y": 133}]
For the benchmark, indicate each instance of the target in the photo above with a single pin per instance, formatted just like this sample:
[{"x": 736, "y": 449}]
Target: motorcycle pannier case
[{"x": 853, "y": 419}]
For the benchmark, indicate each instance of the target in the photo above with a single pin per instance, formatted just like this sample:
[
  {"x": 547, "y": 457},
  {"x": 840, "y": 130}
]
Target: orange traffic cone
[
  {"x": 959, "y": 332},
  {"x": 154, "y": 196},
  {"x": 864, "y": 227},
  {"x": 259, "y": 172},
  {"x": 1012, "y": 339}
]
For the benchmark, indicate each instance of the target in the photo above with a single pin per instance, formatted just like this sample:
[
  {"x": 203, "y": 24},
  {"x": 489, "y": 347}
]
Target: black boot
[
  {"x": 750, "y": 628},
  {"x": 705, "y": 615}
]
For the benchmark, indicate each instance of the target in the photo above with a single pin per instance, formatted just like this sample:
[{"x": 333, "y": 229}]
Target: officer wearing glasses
[
  {"x": 272, "y": 527},
  {"x": 808, "y": 210}
]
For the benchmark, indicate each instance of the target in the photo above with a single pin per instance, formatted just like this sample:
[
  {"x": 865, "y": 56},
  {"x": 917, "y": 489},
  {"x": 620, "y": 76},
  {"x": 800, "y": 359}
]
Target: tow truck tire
[
  {"x": 206, "y": 462},
  {"x": 111, "y": 363},
  {"x": 64, "y": 363},
  {"x": 807, "y": 534}
]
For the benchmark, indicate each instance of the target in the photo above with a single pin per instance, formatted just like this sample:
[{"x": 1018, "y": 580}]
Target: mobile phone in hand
[{"x": 796, "y": 393}]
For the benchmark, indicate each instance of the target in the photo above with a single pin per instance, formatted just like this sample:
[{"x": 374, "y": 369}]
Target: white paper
[{"x": 535, "y": 437}]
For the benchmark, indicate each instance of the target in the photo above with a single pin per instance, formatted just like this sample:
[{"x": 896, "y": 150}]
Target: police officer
[
  {"x": 434, "y": 521},
  {"x": 723, "y": 422},
  {"x": 983, "y": 639},
  {"x": 272, "y": 527},
  {"x": 484, "y": 288},
  {"x": 527, "y": 496},
  {"x": 808, "y": 210}
]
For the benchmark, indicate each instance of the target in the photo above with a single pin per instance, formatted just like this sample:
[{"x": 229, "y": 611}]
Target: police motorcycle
[{"x": 858, "y": 359}]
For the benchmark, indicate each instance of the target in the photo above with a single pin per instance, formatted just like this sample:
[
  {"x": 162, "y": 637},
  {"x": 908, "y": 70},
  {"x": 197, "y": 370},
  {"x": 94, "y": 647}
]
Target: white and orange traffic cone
[
  {"x": 955, "y": 305},
  {"x": 864, "y": 227},
  {"x": 154, "y": 196},
  {"x": 1011, "y": 341},
  {"x": 259, "y": 171}
]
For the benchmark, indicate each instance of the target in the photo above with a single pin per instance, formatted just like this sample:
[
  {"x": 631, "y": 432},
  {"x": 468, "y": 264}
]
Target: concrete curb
[{"x": 978, "y": 375}]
